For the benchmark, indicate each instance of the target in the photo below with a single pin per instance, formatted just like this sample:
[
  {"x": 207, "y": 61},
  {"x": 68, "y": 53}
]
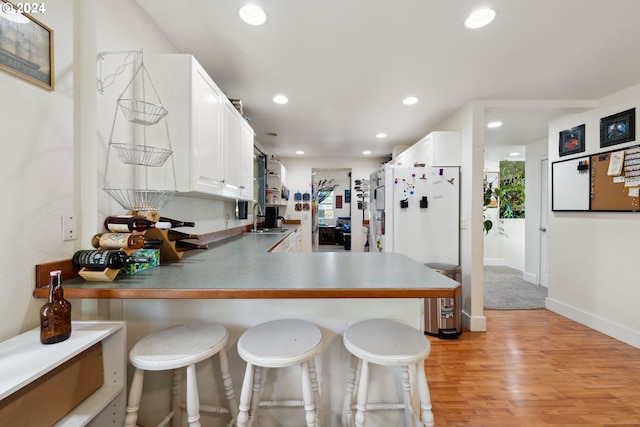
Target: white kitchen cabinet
[
  {"x": 437, "y": 149},
  {"x": 237, "y": 154},
  {"x": 289, "y": 244},
  {"x": 206, "y": 132}
]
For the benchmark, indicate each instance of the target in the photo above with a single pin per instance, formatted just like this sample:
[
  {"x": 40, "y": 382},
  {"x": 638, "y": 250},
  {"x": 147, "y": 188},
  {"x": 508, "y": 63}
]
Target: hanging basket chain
[{"x": 143, "y": 113}]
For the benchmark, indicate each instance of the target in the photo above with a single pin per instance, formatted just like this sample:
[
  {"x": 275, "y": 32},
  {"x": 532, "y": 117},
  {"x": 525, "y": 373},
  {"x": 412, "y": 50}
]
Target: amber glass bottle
[{"x": 55, "y": 315}]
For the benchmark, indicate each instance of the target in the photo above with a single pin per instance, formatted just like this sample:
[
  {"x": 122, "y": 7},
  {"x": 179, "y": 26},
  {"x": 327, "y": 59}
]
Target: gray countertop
[{"x": 241, "y": 267}]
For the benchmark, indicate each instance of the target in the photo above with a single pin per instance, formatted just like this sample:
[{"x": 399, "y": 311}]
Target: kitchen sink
[{"x": 271, "y": 230}]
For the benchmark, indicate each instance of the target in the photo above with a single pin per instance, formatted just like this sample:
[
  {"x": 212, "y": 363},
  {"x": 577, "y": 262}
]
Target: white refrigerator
[{"x": 415, "y": 212}]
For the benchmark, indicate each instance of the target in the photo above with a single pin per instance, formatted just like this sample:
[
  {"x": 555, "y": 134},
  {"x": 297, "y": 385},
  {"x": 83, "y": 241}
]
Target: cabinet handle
[{"x": 242, "y": 187}]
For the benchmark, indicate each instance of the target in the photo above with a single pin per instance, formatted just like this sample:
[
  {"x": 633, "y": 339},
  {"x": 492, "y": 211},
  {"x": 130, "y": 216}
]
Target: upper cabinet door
[
  {"x": 207, "y": 164},
  {"x": 208, "y": 135}
]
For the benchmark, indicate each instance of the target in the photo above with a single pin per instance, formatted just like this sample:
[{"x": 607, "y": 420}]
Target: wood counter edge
[{"x": 131, "y": 293}]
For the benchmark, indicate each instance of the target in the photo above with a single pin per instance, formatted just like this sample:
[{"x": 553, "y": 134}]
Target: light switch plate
[{"x": 69, "y": 227}]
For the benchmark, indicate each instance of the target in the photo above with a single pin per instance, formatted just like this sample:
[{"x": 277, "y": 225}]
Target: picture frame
[
  {"x": 571, "y": 141},
  {"x": 618, "y": 128},
  {"x": 338, "y": 202},
  {"x": 26, "y": 45}
]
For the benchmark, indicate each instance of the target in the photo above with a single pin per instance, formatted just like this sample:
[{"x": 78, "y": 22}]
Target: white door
[{"x": 543, "y": 274}]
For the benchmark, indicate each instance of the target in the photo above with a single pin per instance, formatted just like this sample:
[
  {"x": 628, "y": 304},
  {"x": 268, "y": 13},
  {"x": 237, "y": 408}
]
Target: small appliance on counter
[{"x": 270, "y": 217}]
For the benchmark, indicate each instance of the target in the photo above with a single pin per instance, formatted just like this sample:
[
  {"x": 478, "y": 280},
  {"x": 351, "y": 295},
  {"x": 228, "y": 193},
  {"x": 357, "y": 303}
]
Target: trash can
[{"x": 443, "y": 316}]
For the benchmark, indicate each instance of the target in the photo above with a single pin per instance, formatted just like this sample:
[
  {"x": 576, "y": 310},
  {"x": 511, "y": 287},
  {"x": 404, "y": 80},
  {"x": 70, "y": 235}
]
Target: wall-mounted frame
[
  {"x": 26, "y": 45},
  {"x": 571, "y": 141},
  {"x": 618, "y": 128}
]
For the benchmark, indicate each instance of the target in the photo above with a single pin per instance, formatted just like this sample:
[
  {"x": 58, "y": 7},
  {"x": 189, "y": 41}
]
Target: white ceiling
[{"x": 345, "y": 65}]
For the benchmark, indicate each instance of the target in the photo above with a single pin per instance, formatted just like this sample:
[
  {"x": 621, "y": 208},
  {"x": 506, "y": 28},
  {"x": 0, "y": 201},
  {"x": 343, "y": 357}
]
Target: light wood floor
[{"x": 533, "y": 368}]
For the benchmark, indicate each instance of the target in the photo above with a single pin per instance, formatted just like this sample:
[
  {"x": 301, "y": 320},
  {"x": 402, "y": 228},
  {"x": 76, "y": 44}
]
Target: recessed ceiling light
[
  {"x": 381, "y": 135},
  {"x": 366, "y": 152},
  {"x": 300, "y": 152},
  {"x": 252, "y": 14},
  {"x": 410, "y": 100},
  {"x": 280, "y": 99},
  {"x": 480, "y": 18},
  {"x": 493, "y": 125},
  {"x": 514, "y": 154}
]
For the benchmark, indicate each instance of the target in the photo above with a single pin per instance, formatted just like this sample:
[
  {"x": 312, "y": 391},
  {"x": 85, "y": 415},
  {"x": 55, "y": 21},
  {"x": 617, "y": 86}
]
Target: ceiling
[{"x": 345, "y": 65}]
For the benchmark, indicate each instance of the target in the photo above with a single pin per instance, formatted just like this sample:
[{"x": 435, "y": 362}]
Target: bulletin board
[
  {"x": 603, "y": 182},
  {"x": 570, "y": 185},
  {"x": 615, "y": 190}
]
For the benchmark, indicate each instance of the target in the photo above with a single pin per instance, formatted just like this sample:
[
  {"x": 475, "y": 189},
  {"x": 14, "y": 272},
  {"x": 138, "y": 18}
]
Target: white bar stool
[
  {"x": 174, "y": 348},
  {"x": 387, "y": 343},
  {"x": 279, "y": 344}
]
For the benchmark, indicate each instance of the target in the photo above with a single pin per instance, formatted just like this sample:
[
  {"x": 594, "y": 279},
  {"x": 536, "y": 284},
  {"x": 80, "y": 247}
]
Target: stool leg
[
  {"x": 307, "y": 395},
  {"x": 347, "y": 413},
  {"x": 228, "y": 384},
  {"x": 257, "y": 392},
  {"x": 135, "y": 394},
  {"x": 245, "y": 397},
  {"x": 315, "y": 387},
  {"x": 406, "y": 391},
  {"x": 363, "y": 394},
  {"x": 425, "y": 396},
  {"x": 176, "y": 388},
  {"x": 193, "y": 400}
]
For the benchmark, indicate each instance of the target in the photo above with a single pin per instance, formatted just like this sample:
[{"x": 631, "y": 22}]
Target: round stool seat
[
  {"x": 178, "y": 346},
  {"x": 402, "y": 345},
  {"x": 280, "y": 343}
]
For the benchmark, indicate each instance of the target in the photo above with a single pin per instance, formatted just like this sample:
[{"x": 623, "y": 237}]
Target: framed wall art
[
  {"x": 26, "y": 45},
  {"x": 571, "y": 141},
  {"x": 618, "y": 128}
]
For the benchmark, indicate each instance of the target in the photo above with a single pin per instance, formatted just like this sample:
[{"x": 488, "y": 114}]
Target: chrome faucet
[{"x": 255, "y": 217}]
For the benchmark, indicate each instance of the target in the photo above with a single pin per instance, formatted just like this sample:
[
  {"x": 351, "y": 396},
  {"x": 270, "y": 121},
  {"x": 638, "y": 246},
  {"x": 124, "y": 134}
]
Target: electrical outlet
[{"x": 68, "y": 227}]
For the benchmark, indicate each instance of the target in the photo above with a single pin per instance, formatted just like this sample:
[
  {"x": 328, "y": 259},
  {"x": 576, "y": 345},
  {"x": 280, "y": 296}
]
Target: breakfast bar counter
[
  {"x": 242, "y": 267},
  {"x": 242, "y": 281}
]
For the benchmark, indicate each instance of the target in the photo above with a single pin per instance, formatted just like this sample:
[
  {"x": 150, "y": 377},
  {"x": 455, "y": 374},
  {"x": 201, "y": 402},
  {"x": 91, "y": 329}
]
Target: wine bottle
[
  {"x": 128, "y": 223},
  {"x": 123, "y": 241},
  {"x": 55, "y": 315},
  {"x": 101, "y": 259},
  {"x": 173, "y": 235},
  {"x": 175, "y": 223},
  {"x": 182, "y": 246}
]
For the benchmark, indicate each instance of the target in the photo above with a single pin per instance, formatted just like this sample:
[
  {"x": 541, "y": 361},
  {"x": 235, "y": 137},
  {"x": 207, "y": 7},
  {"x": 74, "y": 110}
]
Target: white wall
[
  {"x": 593, "y": 256},
  {"x": 37, "y": 168},
  {"x": 299, "y": 179},
  {"x": 469, "y": 121}
]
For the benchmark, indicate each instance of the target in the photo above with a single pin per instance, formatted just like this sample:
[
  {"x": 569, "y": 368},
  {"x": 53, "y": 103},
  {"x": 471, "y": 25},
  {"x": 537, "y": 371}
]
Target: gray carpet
[{"x": 505, "y": 289}]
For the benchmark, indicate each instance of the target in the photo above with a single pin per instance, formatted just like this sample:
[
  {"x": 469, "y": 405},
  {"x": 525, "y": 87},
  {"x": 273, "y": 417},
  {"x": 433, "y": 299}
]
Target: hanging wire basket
[
  {"x": 140, "y": 200},
  {"x": 142, "y": 155},
  {"x": 141, "y": 112}
]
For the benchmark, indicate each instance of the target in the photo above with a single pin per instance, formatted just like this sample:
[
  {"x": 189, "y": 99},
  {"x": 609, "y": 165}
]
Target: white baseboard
[
  {"x": 619, "y": 332},
  {"x": 530, "y": 277},
  {"x": 474, "y": 324}
]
